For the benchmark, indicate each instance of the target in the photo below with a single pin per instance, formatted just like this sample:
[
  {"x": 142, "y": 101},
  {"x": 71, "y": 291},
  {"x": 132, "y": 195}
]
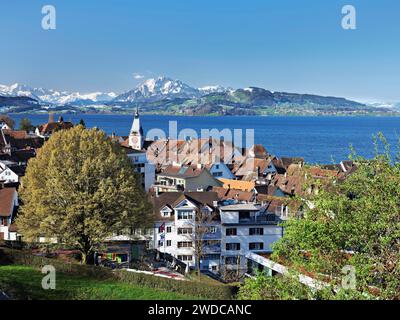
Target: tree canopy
[
  {"x": 350, "y": 224},
  {"x": 80, "y": 189},
  {"x": 26, "y": 125}
]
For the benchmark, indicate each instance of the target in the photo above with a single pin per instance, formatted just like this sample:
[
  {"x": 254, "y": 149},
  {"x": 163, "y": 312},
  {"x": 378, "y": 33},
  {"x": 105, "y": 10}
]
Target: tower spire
[{"x": 136, "y": 134}]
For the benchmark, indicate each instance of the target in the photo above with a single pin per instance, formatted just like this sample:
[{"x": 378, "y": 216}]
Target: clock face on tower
[{"x": 134, "y": 139}]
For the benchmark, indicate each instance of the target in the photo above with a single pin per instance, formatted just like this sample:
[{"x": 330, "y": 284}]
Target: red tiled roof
[
  {"x": 54, "y": 126},
  {"x": 182, "y": 171},
  {"x": 240, "y": 195},
  {"x": 6, "y": 201}
]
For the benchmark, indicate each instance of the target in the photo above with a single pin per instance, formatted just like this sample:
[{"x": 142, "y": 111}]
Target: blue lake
[{"x": 317, "y": 139}]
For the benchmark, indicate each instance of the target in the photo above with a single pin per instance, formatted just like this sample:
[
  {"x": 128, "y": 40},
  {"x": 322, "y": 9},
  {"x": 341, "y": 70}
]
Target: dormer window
[{"x": 165, "y": 212}]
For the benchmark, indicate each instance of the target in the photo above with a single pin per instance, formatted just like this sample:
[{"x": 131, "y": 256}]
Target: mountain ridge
[{"x": 168, "y": 96}]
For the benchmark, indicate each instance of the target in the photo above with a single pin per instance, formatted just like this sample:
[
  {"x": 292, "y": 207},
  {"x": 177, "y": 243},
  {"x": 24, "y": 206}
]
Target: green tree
[
  {"x": 26, "y": 125},
  {"x": 80, "y": 189},
  {"x": 265, "y": 287},
  {"x": 353, "y": 223},
  {"x": 82, "y": 123}
]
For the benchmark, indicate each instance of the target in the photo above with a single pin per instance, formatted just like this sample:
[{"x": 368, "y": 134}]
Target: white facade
[
  {"x": 7, "y": 175},
  {"x": 138, "y": 155},
  {"x": 177, "y": 236},
  {"x": 4, "y": 126},
  {"x": 244, "y": 229},
  {"x": 136, "y": 138},
  {"x": 5, "y": 221},
  {"x": 221, "y": 170},
  {"x": 144, "y": 168}
]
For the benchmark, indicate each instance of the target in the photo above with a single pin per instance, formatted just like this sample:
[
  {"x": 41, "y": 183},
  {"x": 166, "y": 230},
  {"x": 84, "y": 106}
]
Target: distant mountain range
[
  {"x": 168, "y": 96},
  {"x": 50, "y": 96}
]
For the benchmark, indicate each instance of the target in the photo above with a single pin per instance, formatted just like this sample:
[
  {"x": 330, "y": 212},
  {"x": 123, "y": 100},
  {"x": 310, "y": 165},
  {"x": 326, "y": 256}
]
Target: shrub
[{"x": 189, "y": 288}]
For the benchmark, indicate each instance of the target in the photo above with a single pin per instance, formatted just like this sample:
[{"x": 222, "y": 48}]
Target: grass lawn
[{"x": 24, "y": 282}]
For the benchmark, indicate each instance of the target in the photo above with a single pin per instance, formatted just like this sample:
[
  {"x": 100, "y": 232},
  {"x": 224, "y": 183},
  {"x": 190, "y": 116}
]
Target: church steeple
[{"x": 136, "y": 134}]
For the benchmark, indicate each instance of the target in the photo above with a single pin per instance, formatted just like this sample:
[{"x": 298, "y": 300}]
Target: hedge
[{"x": 190, "y": 288}]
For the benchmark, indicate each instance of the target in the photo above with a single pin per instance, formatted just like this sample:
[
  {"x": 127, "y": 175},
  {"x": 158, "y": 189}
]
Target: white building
[
  {"x": 177, "y": 218},
  {"x": 146, "y": 170},
  {"x": 246, "y": 228},
  {"x": 4, "y": 125},
  {"x": 221, "y": 170},
  {"x": 135, "y": 147},
  {"x": 8, "y": 205},
  {"x": 6, "y": 174}
]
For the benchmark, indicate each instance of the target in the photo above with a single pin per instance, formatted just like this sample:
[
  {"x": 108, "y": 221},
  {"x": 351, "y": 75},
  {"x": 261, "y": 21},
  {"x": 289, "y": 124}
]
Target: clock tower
[{"x": 136, "y": 138}]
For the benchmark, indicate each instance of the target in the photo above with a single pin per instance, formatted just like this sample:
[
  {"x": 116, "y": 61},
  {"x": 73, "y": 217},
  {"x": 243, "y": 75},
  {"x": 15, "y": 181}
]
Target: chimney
[{"x": 51, "y": 117}]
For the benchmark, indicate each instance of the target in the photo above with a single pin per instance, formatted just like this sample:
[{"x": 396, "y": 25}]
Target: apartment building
[
  {"x": 184, "y": 222},
  {"x": 246, "y": 227}
]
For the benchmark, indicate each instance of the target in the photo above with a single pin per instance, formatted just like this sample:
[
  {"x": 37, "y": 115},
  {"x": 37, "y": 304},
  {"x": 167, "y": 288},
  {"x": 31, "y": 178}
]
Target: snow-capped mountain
[
  {"x": 213, "y": 89},
  {"x": 54, "y": 97},
  {"x": 157, "y": 89},
  {"x": 149, "y": 90}
]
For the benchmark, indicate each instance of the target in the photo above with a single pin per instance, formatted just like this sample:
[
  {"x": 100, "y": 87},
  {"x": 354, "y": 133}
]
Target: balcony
[
  {"x": 167, "y": 185},
  {"x": 259, "y": 219},
  {"x": 209, "y": 249}
]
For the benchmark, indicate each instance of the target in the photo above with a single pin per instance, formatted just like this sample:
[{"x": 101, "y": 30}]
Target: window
[
  {"x": 185, "y": 244},
  {"x": 256, "y": 231},
  {"x": 169, "y": 229},
  {"x": 211, "y": 257},
  {"x": 168, "y": 243},
  {"x": 185, "y": 257},
  {"x": 160, "y": 243},
  {"x": 185, "y": 230},
  {"x": 232, "y": 260},
  {"x": 217, "y": 174},
  {"x": 212, "y": 229},
  {"x": 185, "y": 215},
  {"x": 233, "y": 246},
  {"x": 231, "y": 231},
  {"x": 212, "y": 243},
  {"x": 165, "y": 212},
  {"x": 217, "y": 166},
  {"x": 256, "y": 246}
]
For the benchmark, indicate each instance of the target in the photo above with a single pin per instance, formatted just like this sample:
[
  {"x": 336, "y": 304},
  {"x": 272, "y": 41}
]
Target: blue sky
[{"x": 285, "y": 45}]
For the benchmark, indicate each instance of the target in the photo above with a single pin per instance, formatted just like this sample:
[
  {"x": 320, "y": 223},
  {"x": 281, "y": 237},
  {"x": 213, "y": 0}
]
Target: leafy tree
[
  {"x": 82, "y": 123},
  {"x": 6, "y": 119},
  {"x": 354, "y": 223},
  {"x": 203, "y": 221},
  {"x": 265, "y": 287},
  {"x": 80, "y": 189},
  {"x": 26, "y": 125}
]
